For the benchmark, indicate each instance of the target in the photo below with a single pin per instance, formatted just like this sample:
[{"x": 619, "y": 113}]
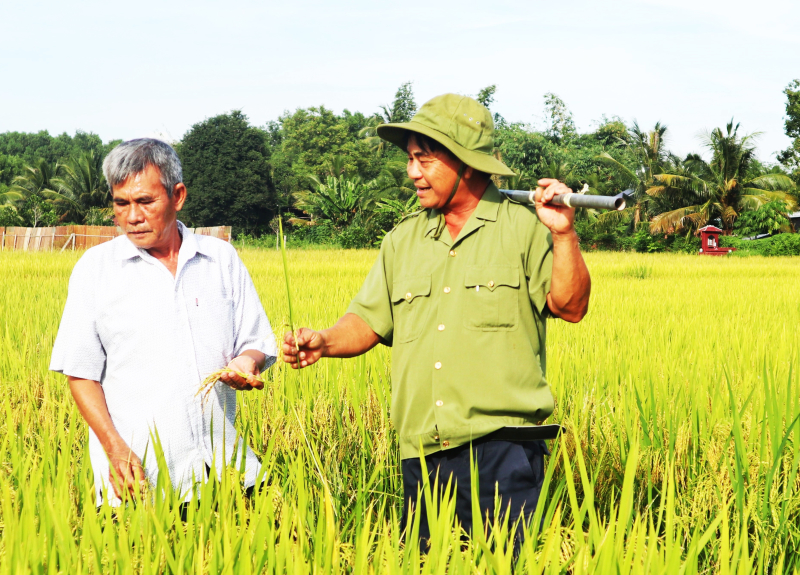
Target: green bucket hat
[{"x": 460, "y": 124}]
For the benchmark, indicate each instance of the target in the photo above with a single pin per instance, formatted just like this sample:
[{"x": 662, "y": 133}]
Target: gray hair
[{"x": 133, "y": 157}]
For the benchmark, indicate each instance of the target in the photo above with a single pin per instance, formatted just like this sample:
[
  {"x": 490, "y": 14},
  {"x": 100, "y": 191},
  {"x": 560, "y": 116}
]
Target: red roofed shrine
[{"x": 709, "y": 242}]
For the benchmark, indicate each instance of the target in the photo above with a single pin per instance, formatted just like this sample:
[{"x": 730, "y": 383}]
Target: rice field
[{"x": 680, "y": 392}]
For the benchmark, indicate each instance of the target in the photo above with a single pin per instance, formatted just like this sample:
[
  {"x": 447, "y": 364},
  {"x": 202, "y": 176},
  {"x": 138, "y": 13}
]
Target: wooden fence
[{"x": 77, "y": 237}]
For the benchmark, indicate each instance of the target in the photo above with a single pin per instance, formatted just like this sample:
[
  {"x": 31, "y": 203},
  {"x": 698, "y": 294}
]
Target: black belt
[{"x": 525, "y": 433}]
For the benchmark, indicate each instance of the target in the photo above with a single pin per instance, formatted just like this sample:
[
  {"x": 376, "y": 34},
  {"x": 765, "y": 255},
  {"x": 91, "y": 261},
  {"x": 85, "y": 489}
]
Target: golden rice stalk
[{"x": 210, "y": 381}]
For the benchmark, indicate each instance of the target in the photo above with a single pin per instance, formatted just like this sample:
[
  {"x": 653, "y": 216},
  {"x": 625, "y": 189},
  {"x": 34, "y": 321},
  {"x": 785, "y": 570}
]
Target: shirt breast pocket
[
  {"x": 212, "y": 331},
  {"x": 492, "y": 298},
  {"x": 410, "y": 307}
]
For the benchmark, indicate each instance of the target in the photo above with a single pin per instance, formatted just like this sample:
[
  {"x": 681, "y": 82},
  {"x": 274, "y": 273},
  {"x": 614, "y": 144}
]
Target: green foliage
[
  {"x": 31, "y": 147},
  {"x": 355, "y": 236},
  {"x": 99, "y": 217},
  {"x": 403, "y": 107},
  {"x": 688, "y": 244},
  {"x": 241, "y": 175},
  {"x": 401, "y": 110},
  {"x": 321, "y": 232},
  {"x": 227, "y": 173},
  {"x": 777, "y": 245},
  {"x": 397, "y": 209},
  {"x": 767, "y": 219},
  {"x": 37, "y": 212},
  {"x": 9, "y": 217},
  {"x": 312, "y": 137},
  {"x": 612, "y": 133},
  {"x": 559, "y": 123},
  {"x": 720, "y": 190},
  {"x": 10, "y": 168},
  {"x": 338, "y": 199},
  {"x": 790, "y": 157},
  {"x": 643, "y": 240},
  {"x": 486, "y": 95},
  {"x": 82, "y": 189},
  {"x": 792, "y": 124}
]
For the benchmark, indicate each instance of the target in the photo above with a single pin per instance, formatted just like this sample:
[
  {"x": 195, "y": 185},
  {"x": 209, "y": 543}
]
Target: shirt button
[
  {"x": 452, "y": 253},
  {"x": 445, "y": 443},
  {"x": 447, "y": 290},
  {"x": 441, "y": 327},
  {"x": 439, "y": 403},
  {"x": 436, "y": 438},
  {"x": 438, "y": 365},
  {"x": 491, "y": 283},
  {"x": 408, "y": 296}
]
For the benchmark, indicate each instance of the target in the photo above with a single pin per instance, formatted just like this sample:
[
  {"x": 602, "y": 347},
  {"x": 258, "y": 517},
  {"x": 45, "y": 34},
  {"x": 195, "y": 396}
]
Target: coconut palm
[
  {"x": 719, "y": 190},
  {"x": 38, "y": 185},
  {"x": 648, "y": 150},
  {"x": 35, "y": 180},
  {"x": 370, "y": 131},
  {"x": 82, "y": 187}
]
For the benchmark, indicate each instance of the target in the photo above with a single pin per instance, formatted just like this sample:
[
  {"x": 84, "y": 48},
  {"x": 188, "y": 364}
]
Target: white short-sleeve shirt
[{"x": 150, "y": 339}]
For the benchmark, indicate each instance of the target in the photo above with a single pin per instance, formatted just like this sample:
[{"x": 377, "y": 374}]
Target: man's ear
[{"x": 179, "y": 196}]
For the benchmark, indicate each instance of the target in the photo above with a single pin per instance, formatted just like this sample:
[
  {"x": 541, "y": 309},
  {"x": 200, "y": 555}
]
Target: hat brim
[{"x": 397, "y": 134}]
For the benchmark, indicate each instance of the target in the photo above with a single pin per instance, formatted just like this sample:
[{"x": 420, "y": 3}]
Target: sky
[{"x": 132, "y": 69}]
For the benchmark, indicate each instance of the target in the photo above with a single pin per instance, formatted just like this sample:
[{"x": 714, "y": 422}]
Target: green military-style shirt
[{"x": 466, "y": 320}]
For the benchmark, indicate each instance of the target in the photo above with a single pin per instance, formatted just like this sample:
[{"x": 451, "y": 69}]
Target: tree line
[{"x": 336, "y": 182}]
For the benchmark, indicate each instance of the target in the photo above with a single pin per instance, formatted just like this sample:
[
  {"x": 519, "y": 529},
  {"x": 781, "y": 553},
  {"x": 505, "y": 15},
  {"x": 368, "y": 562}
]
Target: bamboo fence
[{"x": 77, "y": 237}]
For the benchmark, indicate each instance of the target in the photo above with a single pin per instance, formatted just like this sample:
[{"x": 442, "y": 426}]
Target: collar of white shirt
[{"x": 190, "y": 247}]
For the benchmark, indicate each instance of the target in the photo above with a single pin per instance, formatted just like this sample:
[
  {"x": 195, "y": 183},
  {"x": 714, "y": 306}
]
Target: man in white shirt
[{"x": 148, "y": 316}]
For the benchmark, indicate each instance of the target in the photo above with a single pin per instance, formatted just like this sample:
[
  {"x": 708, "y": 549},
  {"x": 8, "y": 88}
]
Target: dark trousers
[{"x": 514, "y": 468}]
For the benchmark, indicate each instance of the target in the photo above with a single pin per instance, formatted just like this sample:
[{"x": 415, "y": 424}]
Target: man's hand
[
  {"x": 558, "y": 219},
  {"x": 312, "y": 347},
  {"x": 126, "y": 472},
  {"x": 570, "y": 285},
  {"x": 245, "y": 363}
]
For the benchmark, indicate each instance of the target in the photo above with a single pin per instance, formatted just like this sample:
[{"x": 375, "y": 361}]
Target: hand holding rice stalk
[
  {"x": 288, "y": 289},
  {"x": 251, "y": 376},
  {"x": 210, "y": 381}
]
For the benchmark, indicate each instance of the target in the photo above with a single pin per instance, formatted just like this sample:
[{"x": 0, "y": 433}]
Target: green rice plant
[
  {"x": 680, "y": 396},
  {"x": 288, "y": 288}
]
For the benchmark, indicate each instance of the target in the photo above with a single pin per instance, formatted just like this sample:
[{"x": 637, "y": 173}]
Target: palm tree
[
  {"x": 370, "y": 131},
  {"x": 82, "y": 186},
  {"x": 719, "y": 190},
  {"x": 650, "y": 157},
  {"x": 35, "y": 187}
]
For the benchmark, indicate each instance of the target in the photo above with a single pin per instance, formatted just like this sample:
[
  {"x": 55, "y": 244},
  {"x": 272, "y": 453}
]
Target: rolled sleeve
[
  {"x": 78, "y": 351},
  {"x": 373, "y": 302},
  {"x": 252, "y": 328}
]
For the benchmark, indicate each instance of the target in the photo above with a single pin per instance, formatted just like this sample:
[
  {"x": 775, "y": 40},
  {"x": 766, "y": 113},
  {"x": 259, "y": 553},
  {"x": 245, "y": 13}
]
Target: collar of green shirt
[{"x": 486, "y": 209}]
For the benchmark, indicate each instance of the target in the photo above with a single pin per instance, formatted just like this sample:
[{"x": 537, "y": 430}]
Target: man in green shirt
[{"x": 461, "y": 291}]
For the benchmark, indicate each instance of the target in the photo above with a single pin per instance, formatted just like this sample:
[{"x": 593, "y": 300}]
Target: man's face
[
  {"x": 143, "y": 209},
  {"x": 434, "y": 174}
]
